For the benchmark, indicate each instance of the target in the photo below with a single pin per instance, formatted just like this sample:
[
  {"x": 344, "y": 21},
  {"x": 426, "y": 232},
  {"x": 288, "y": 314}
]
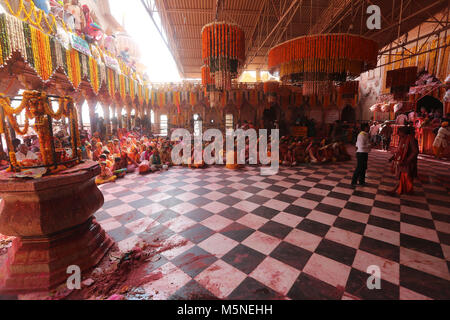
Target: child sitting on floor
[
  {"x": 105, "y": 175},
  {"x": 117, "y": 169}
]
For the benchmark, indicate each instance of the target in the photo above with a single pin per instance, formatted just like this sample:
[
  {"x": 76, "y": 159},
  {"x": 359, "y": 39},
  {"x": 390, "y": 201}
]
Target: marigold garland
[
  {"x": 319, "y": 59},
  {"x": 223, "y": 53},
  {"x": 45, "y": 55}
]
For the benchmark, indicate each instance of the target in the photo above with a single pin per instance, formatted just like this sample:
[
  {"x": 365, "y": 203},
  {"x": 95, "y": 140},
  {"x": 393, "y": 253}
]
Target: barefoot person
[
  {"x": 441, "y": 141},
  {"x": 405, "y": 162},
  {"x": 362, "y": 155}
]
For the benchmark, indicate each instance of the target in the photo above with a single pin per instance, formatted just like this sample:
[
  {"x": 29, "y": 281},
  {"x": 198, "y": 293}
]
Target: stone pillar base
[{"x": 40, "y": 264}]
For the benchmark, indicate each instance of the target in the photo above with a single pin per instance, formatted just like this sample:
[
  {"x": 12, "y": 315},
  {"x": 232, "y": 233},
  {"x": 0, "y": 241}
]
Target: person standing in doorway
[{"x": 362, "y": 155}]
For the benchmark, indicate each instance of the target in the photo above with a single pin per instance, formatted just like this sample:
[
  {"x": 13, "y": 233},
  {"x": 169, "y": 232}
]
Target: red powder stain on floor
[
  {"x": 275, "y": 278},
  {"x": 121, "y": 276},
  {"x": 193, "y": 262},
  {"x": 240, "y": 257}
]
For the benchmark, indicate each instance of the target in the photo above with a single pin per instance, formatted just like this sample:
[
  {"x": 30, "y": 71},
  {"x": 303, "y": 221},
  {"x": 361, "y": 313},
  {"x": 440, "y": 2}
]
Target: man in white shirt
[
  {"x": 23, "y": 153},
  {"x": 362, "y": 155}
]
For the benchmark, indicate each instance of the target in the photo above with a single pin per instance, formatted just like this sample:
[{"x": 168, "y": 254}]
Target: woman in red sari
[{"x": 405, "y": 161}]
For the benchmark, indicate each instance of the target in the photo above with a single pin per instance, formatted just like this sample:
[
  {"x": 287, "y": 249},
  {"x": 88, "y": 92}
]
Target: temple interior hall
[{"x": 296, "y": 150}]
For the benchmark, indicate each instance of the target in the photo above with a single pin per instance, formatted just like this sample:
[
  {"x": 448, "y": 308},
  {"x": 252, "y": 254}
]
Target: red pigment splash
[{"x": 129, "y": 272}]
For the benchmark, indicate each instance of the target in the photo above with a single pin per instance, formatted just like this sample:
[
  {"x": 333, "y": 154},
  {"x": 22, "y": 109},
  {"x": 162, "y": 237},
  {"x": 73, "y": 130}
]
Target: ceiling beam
[
  {"x": 293, "y": 5},
  {"x": 416, "y": 13}
]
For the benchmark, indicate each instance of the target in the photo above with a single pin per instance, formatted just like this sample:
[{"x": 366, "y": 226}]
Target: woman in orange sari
[{"x": 405, "y": 162}]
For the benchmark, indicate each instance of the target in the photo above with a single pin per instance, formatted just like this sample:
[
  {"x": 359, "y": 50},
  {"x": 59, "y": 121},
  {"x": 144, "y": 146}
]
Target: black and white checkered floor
[{"x": 301, "y": 234}]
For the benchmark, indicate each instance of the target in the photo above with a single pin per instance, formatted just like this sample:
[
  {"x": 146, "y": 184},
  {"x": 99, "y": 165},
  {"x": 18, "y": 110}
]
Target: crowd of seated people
[{"x": 295, "y": 151}]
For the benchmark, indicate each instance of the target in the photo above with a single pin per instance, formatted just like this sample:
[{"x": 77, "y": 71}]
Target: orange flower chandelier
[
  {"x": 316, "y": 62},
  {"x": 223, "y": 54}
]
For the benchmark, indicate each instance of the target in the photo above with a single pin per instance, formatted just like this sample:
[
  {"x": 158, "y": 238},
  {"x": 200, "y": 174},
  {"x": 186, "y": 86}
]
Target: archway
[
  {"x": 348, "y": 114},
  {"x": 431, "y": 104}
]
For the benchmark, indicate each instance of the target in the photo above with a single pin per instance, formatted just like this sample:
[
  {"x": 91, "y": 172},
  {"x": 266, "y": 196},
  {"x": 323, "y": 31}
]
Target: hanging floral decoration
[
  {"x": 400, "y": 81},
  {"x": 46, "y": 55},
  {"x": 316, "y": 61},
  {"x": 223, "y": 54}
]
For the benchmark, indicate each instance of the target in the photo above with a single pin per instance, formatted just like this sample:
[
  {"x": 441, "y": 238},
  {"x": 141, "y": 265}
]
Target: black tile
[
  {"x": 269, "y": 181},
  {"x": 386, "y": 205},
  {"x": 384, "y": 223},
  {"x": 338, "y": 195},
  {"x": 170, "y": 202},
  {"x": 201, "y": 191},
  {"x": 275, "y": 188},
  {"x": 328, "y": 209},
  {"x": 129, "y": 217},
  {"x": 102, "y": 215},
  {"x": 194, "y": 261},
  {"x": 441, "y": 217},
  {"x": 424, "y": 283},
  {"x": 336, "y": 251},
  {"x": 174, "y": 192},
  {"x": 414, "y": 204},
  {"x": 276, "y": 229},
  {"x": 310, "y": 179},
  {"x": 286, "y": 198},
  {"x": 237, "y": 231},
  {"x": 250, "y": 289},
  {"x": 120, "y": 233},
  {"x": 155, "y": 233},
  {"x": 155, "y": 264},
  {"x": 258, "y": 199},
  {"x": 357, "y": 286},
  {"x": 140, "y": 203},
  {"x": 444, "y": 238},
  {"x": 441, "y": 203},
  {"x": 324, "y": 186},
  {"x": 164, "y": 216},
  {"x": 178, "y": 184},
  {"x": 232, "y": 213},
  {"x": 291, "y": 255},
  {"x": 298, "y": 211},
  {"x": 300, "y": 188},
  {"x": 350, "y": 225},
  {"x": 112, "y": 203},
  {"x": 333, "y": 179},
  {"x": 307, "y": 287},
  {"x": 202, "y": 183},
  {"x": 313, "y": 197},
  {"x": 252, "y": 189},
  {"x": 358, "y": 207},
  {"x": 418, "y": 221},
  {"x": 200, "y": 201},
  {"x": 229, "y": 200},
  {"x": 363, "y": 194},
  {"x": 197, "y": 233},
  {"x": 193, "y": 291},
  {"x": 198, "y": 214},
  {"x": 344, "y": 185},
  {"x": 313, "y": 227},
  {"x": 244, "y": 258},
  {"x": 265, "y": 212},
  {"x": 380, "y": 248},
  {"x": 421, "y": 245}
]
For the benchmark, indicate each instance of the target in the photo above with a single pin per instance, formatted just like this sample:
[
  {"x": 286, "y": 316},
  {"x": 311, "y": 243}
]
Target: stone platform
[{"x": 52, "y": 220}]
